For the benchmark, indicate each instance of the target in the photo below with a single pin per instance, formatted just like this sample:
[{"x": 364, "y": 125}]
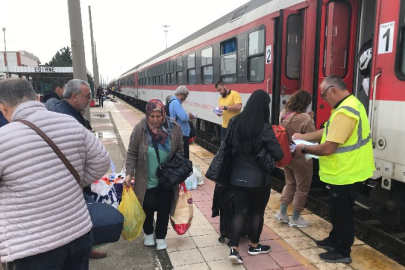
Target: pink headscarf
[{"x": 159, "y": 134}]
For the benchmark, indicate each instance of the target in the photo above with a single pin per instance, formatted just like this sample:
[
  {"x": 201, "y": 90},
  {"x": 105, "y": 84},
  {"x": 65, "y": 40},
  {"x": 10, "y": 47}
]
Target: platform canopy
[{"x": 41, "y": 72}]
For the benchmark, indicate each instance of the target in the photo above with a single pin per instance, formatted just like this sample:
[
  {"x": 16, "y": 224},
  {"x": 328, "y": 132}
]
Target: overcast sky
[{"x": 126, "y": 32}]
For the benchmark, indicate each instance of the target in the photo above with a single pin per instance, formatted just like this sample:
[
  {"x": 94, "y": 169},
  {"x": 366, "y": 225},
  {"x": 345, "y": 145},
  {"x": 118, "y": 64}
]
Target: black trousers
[
  {"x": 186, "y": 147},
  {"x": 248, "y": 199},
  {"x": 100, "y": 101},
  {"x": 341, "y": 202},
  {"x": 160, "y": 200}
]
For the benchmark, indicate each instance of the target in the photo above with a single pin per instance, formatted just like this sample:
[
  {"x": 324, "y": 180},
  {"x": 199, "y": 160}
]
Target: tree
[{"x": 62, "y": 58}]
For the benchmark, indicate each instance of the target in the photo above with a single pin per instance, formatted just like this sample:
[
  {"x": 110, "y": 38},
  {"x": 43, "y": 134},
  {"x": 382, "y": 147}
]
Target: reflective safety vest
[{"x": 352, "y": 161}]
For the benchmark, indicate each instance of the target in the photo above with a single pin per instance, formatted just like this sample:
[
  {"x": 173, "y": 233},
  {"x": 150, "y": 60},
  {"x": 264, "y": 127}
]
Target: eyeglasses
[
  {"x": 323, "y": 95},
  {"x": 88, "y": 96}
]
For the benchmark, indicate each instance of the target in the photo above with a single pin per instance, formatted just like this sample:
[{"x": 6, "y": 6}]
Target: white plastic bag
[
  {"x": 197, "y": 172},
  {"x": 191, "y": 182}
]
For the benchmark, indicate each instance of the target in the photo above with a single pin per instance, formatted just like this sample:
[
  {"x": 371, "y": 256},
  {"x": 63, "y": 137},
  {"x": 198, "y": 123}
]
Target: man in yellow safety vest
[{"x": 345, "y": 162}]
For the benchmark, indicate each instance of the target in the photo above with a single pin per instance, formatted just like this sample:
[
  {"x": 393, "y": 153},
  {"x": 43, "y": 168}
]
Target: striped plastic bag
[{"x": 183, "y": 213}]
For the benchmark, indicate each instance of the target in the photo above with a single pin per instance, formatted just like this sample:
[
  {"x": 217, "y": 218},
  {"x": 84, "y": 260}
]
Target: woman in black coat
[{"x": 249, "y": 182}]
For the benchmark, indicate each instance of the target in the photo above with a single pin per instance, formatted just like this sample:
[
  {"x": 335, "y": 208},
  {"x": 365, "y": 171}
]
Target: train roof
[{"x": 234, "y": 17}]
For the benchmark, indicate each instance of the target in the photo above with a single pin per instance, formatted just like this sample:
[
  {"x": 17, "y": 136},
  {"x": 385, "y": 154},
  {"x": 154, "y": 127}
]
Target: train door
[
  {"x": 288, "y": 30},
  {"x": 337, "y": 47},
  {"x": 365, "y": 40},
  {"x": 136, "y": 84},
  {"x": 271, "y": 49}
]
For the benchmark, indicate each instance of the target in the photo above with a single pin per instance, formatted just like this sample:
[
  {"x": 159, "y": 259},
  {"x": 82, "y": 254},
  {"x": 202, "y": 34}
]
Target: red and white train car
[{"x": 281, "y": 46}]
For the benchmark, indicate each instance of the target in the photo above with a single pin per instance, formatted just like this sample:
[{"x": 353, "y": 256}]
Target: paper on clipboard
[{"x": 307, "y": 156}]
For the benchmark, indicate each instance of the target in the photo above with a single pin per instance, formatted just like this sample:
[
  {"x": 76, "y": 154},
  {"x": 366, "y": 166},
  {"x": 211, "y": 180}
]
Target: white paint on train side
[
  {"x": 201, "y": 103},
  {"x": 389, "y": 133}
]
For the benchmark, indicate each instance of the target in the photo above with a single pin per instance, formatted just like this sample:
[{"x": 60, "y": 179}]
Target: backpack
[
  {"x": 192, "y": 128},
  {"x": 167, "y": 108},
  {"x": 283, "y": 139}
]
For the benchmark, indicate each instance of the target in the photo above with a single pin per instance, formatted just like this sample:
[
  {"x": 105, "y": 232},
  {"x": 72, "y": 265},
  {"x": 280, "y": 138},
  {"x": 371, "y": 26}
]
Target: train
[{"x": 281, "y": 46}]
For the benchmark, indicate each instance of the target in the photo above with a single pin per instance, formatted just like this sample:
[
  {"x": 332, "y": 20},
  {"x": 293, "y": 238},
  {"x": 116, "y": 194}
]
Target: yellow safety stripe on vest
[{"x": 360, "y": 142}]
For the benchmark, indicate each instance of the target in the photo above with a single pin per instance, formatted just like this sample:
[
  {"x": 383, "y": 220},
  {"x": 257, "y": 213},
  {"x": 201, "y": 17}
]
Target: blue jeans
[{"x": 72, "y": 256}]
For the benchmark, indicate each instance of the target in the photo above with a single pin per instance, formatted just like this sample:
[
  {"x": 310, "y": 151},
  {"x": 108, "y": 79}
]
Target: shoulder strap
[
  {"x": 285, "y": 116},
  {"x": 154, "y": 144},
  {"x": 168, "y": 109},
  {"x": 54, "y": 147}
]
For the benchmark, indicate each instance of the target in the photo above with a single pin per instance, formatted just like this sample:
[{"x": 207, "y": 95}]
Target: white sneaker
[
  {"x": 281, "y": 217},
  {"x": 299, "y": 223},
  {"x": 161, "y": 244},
  {"x": 148, "y": 240}
]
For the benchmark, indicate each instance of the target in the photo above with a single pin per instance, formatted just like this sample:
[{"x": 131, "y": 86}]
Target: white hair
[
  {"x": 73, "y": 86},
  {"x": 181, "y": 90}
]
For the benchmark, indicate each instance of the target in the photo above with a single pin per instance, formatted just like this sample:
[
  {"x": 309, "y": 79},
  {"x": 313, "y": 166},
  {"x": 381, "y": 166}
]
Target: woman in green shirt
[{"x": 142, "y": 162}]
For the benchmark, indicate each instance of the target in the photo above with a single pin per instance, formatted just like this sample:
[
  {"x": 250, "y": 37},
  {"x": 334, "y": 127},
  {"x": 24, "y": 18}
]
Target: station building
[{"x": 22, "y": 64}]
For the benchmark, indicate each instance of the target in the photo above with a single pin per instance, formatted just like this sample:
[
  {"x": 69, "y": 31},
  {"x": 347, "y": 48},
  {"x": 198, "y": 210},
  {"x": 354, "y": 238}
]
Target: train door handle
[
  {"x": 268, "y": 80},
  {"x": 283, "y": 90},
  {"x": 372, "y": 107}
]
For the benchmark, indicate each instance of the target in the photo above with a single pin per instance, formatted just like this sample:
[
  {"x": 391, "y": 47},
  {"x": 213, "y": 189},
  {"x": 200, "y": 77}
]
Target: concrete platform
[{"x": 292, "y": 248}]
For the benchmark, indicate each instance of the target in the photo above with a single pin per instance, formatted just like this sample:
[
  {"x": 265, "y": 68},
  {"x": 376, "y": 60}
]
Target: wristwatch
[
  {"x": 225, "y": 108},
  {"x": 303, "y": 150}
]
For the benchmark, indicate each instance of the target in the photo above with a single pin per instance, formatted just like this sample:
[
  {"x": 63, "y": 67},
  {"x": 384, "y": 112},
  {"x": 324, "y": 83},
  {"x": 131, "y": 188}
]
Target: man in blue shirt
[{"x": 181, "y": 116}]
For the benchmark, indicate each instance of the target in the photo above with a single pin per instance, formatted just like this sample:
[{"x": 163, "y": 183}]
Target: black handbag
[
  {"x": 174, "y": 171},
  {"x": 221, "y": 165},
  {"x": 107, "y": 221},
  {"x": 266, "y": 160}
]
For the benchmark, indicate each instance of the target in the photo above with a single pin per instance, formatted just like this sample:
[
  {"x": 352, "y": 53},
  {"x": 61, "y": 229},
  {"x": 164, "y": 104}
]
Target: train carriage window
[
  {"x": 162, "y": 72},
  {"x": 337, "y": 35},
  {"x": 179, "y": 71},
  {"x": 294, "y": 42},
  {"x": 191, "y": 79},
  {"x": 179, "y": 77},
  {"x": 256, "y": 56},
  {"x": 167, "y": 75},
  {"x": 179, "y": 63},
  {"x": 228, "y": 61},
  {"x": 400, "y": 59},
  {"x": 171, "y": 72},
  {"x": 207, "y": 70}
]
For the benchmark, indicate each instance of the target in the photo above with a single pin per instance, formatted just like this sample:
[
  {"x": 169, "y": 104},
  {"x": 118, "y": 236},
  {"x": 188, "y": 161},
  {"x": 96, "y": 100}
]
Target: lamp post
[
  {"x": 5, "y": 51},
  {"x": 166, "y": 29}
]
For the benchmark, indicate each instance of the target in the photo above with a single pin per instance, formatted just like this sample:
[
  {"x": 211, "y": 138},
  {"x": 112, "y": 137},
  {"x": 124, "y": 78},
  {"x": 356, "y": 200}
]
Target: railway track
[{"x": 369, "y": 230}]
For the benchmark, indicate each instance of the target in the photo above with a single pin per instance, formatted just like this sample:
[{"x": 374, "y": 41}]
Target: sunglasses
[{"x": 323, "y": 95}]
